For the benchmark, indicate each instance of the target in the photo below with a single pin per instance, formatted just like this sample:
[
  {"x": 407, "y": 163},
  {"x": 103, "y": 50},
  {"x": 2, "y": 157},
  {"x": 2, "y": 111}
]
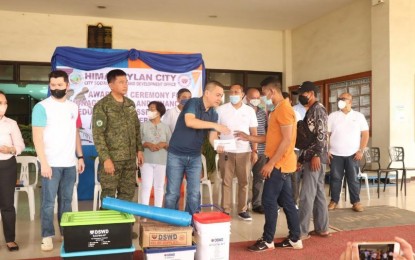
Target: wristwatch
[{"x": 80, "y": 157}]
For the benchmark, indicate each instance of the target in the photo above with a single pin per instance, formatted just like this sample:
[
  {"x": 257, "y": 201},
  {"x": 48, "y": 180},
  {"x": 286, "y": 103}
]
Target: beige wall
[
  {"x": 34, "y": 37},
  {"x": 334, "y": 45},
  {"x": 402, "y": 76}
]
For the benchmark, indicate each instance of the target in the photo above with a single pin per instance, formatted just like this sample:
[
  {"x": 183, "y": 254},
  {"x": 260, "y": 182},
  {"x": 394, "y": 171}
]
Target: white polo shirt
[
  {"x": 60, "y": 121},
  {"x": 345, "y": 132},
  {"x": 240, "y": 119},
  {"x": 170, "y": 117}
]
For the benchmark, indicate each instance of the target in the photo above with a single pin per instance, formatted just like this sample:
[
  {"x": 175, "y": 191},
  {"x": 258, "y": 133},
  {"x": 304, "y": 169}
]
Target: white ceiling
[{"x": 257, "y": 14}]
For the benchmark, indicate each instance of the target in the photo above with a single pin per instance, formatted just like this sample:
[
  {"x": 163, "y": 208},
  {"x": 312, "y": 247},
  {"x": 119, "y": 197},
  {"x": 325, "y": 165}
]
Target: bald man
[{"x": 349, "y": 134}]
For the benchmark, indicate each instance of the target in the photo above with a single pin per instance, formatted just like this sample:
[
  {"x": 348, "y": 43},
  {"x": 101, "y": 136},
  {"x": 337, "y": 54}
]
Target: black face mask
[
  {"x": 58, "y": 93},
  {"x": 303, "y": 100}
]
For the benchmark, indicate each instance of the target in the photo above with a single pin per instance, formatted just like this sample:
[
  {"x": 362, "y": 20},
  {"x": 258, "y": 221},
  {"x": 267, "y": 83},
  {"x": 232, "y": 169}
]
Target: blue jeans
[
  {"x": 340, "y": 166},
  {"x": 277, "y": 191},
  {"x": 178, "y": 166},
  {"x": 61, "y": 184}
]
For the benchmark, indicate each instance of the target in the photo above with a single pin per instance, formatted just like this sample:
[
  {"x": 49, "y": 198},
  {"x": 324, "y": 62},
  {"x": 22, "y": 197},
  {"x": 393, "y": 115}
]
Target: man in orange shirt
[{"x": 281, "y": 162}]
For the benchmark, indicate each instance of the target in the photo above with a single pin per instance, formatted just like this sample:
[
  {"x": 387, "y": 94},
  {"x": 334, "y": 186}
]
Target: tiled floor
[{"x": 28, "y": 232}]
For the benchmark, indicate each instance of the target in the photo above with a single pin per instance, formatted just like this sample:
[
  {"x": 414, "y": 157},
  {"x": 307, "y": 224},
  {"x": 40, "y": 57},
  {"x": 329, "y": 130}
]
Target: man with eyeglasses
[{"x": 349, "y": 134}]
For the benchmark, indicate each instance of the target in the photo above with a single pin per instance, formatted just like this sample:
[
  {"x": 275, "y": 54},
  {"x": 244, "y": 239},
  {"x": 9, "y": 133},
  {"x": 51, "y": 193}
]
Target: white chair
[
  {"x": 97, "y": 187},
  {"x": 28, "y": 187},
  {"x": 360, "y": 176},
  {"x": 205, "y": 181}
]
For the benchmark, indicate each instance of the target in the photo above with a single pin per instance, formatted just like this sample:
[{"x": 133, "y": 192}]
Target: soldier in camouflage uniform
[{"x": 116, "y": 132}]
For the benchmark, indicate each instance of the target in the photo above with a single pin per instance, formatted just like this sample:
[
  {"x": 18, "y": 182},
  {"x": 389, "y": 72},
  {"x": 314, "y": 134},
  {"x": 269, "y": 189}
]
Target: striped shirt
[{"x": 262, "y": 127}]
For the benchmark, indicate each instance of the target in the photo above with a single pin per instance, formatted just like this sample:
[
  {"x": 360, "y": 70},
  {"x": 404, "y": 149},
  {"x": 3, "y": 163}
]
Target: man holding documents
[
  {"x": 197, "y": 119},
  {"x": 237, "y": 160}
]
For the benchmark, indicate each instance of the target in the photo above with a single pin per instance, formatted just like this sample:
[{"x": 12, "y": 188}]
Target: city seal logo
[
  {"x": 184, "y": 81},
  {"x": 99, "y": 123}
]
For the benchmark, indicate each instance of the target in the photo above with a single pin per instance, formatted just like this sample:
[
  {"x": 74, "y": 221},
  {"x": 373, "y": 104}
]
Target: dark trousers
[
  {"x": 8, "y": 176},
  {"x": 339, "y": 167},
  {"x": 257, "y": 181},
  {"x": 277, "y": 191}
]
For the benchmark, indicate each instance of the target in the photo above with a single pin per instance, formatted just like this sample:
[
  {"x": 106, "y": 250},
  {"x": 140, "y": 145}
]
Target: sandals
[
  {"x": 14, "y": 247},
  {"x": 315, "y": 233}
]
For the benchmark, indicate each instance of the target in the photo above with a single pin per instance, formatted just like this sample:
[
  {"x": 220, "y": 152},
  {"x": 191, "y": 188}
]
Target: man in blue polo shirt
[{"x": 197, "y": 119}]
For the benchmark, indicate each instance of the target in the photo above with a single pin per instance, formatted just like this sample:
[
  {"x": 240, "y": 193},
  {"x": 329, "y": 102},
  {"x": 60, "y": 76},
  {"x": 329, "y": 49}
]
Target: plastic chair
[
  {"x": 397, "y": 155},
  {"x": 97, "y": 187},
  {"x": 372, "y": 165},
  {"x": 344, "y": 185},
  {"x": 205, "y": 181},
  {"x": 27, "y": 187}
]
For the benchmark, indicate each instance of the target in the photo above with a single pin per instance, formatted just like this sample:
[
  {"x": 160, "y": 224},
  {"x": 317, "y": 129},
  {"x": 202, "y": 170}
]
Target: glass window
[
  {"x": 6, "y": 72},
  {"x": 227, "y": 78},
  {"x": 32, "y": 73},
  {"x": 254, "y": 79}
]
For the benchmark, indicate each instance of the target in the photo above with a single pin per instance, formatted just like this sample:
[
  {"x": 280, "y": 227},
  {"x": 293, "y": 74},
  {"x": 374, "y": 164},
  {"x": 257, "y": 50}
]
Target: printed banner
[{"x": 144, "y": 85}]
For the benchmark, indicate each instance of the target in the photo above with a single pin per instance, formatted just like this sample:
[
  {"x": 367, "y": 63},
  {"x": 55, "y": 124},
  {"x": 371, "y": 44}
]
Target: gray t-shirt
[{"x": 155, "y": 134}]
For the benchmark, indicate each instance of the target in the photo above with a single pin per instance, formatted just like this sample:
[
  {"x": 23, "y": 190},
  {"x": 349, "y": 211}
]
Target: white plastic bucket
[{"x": 212, "y": 235}]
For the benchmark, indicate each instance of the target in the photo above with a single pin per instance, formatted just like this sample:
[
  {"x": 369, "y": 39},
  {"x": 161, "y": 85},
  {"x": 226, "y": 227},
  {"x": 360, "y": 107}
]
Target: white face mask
[
  {"x": 235, "y": 99},
  {"x": 3, "y": 109},
  {"x": 255, "y": 102},
  {"x": 152, "y": 114},
  {"x": 341, "y": 104}
]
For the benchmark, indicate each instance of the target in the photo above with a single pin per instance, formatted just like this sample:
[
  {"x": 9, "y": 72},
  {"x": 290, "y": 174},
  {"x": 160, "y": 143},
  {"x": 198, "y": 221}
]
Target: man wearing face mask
[
  {"x": 313, "y": 160},
  {"x": 237, "y": 116},
  {"x": 170, "y": 118},
  {"x": 349, "y": 134},
  {"x": 253, "y": 98},
  {"x": 56, "y": 123}
]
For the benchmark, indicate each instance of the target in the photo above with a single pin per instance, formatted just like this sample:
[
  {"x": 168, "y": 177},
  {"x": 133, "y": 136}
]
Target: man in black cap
[{"x": 313, "y": 159}]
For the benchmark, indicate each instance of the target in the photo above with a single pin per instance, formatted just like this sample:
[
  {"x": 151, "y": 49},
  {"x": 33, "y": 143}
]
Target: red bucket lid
[{"x": 211, "y": 217}]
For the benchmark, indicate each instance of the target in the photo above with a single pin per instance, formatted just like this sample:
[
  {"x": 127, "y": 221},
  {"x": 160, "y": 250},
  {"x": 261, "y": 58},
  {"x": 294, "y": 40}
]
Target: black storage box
[{"x": 96, "y": 230}]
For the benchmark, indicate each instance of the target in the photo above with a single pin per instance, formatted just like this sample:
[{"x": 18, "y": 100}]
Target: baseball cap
[{"x": 307, "y": 86}]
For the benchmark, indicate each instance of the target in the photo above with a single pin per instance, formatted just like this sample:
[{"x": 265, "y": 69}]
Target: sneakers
[
  {"x": 261, "y": 245},
  {"x": 357, "y": 207},
  {"x": 47, "y": 244},
  {"x": 332, "y": 205},
  {"x": 287, "y": 243},
  {"x": 244, "y": 216}
]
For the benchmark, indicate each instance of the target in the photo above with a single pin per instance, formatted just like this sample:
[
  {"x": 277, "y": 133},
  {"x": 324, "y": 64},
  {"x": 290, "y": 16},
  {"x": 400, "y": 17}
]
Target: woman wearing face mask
[
  {"x": 155, "y": 136},
  {"x": 11, "y": 144}
]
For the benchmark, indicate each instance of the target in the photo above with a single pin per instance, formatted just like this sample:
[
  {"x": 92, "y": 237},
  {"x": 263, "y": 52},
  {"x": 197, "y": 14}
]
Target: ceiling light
[
  {"x": 213, "y": 16},
  {"x": 101, "y": 7}
]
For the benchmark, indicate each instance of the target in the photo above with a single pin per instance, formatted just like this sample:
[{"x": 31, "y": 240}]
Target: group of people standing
[{"x": 169, "y": 145}]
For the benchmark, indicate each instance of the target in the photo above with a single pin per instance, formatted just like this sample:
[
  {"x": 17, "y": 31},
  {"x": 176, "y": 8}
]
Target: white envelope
[{"x": 229, "y": 144}]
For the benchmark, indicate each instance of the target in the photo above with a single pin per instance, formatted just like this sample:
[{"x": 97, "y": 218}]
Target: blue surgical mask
[
  {"x": 268, "y": 102},
  {"x": 183, "y": 101},
  {"x": 235, "y": 99}
]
